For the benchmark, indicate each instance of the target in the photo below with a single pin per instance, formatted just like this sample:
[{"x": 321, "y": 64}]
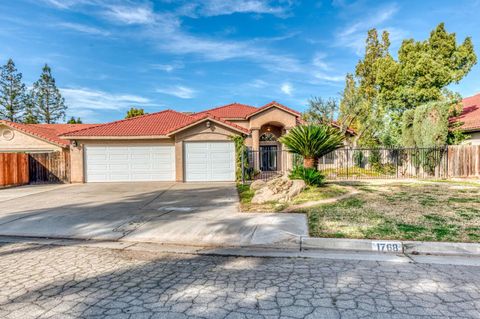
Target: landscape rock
[
  {"x": 297, "y": 187},
  {"x": 280, "y": 189},
  {"x": 256, "y": 185}
]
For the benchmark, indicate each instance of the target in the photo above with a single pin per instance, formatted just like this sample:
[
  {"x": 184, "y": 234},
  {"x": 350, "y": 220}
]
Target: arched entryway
[{"x": 270, "y": 149}]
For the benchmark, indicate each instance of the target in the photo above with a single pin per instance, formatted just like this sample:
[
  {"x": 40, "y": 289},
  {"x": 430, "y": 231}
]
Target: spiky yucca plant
[{"x": 312, "y": 142}]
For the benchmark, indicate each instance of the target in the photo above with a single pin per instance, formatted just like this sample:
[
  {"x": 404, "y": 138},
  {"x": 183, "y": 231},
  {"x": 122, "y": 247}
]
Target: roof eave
[{"x": 125, "y": 137}]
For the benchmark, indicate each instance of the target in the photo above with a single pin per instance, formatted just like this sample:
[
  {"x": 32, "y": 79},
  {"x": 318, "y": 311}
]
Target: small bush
[{"x": 311, "y": 176}]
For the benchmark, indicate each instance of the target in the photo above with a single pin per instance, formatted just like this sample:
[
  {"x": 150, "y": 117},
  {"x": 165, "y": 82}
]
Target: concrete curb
[{"x": 406, "y": 247}]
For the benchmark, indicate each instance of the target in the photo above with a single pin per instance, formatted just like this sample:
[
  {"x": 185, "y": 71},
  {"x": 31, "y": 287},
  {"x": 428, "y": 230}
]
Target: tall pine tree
[
  {"x": 13, "y": 93},
  {"x": 49, "y": 105}
]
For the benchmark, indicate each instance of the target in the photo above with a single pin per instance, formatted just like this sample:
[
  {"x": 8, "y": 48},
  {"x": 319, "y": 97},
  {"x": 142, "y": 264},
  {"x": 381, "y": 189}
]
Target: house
[
  {"x": 470, "y": 119},
  {"x": 47, "y": 158},
  {"x": 36, "y": 138},
  {"x": 174, "y": 146}
]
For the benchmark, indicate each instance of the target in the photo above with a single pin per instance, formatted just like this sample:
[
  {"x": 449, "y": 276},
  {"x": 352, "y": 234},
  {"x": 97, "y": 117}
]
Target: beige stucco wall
[
  {"x": 199, "y": 132},
  {"x": 273, "y": 116},
  {"x": 242, "y": 123},
  {"x": 77, "y": 156},
  {"x": 474, "y": 138},
  {"x": 24, "y": 142}
]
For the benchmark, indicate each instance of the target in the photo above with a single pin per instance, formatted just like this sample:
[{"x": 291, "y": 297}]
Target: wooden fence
[
  {"x": 49, "y": 167},
  {"x": 13, "y": 169},
  {"x": 464, "y": 161}
]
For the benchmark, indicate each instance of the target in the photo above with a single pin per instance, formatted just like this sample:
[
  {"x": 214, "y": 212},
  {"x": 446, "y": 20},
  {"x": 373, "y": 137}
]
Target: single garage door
[
  {"x": 129, "y": 163},
  {"x": 209, "y": 161}
]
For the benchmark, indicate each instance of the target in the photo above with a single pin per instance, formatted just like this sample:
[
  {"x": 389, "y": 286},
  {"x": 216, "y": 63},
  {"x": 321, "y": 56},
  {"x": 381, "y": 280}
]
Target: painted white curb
[{"x": 407, "y": 247}]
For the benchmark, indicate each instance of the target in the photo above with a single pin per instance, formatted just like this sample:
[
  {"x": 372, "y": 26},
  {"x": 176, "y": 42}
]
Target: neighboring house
[
  {"x": 36, "y": 138},
  {"x": 470, "y": 119},
  {"x": 174, "y": 146}
]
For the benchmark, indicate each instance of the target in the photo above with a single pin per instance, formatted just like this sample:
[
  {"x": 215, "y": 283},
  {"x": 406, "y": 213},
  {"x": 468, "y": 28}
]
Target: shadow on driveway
[{"x": 201, "y": 214}]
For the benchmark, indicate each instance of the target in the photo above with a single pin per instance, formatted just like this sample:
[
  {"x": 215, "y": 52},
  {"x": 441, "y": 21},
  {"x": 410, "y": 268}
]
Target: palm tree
[{"x": 312, "y": 142}]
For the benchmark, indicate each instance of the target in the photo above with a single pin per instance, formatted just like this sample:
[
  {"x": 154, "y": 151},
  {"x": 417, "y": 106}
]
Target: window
[{"x": 267, "y": 137}]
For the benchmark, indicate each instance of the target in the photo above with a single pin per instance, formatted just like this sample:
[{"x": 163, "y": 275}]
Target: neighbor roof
[
  {"x": 470, "y": 116},
  {"x": 47, "y": 132},
  {"x": 161, "y": 123}
]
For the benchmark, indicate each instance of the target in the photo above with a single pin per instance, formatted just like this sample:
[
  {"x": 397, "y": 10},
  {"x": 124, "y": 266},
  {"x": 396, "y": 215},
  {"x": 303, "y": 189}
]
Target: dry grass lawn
[{"x": 421, "y": 210}]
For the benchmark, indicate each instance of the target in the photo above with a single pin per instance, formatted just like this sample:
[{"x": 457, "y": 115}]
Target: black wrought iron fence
[
  {"x": 268, "y": 163},
  {"x": 387, "y": 163},
  {"x": 352, "y": 163}
]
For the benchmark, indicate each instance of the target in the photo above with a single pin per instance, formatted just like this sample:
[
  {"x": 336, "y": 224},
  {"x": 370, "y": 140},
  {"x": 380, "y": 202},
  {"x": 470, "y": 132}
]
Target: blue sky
[{"x": 191, "y": 55}]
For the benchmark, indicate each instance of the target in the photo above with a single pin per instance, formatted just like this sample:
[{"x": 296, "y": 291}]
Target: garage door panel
[
  {"x": 209, "y": 161},
  {"x": 129, "y": 163}
]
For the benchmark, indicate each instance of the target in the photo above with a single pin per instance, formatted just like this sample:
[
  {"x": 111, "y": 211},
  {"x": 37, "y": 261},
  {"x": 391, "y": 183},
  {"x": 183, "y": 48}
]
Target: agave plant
[{"x": 312, "y": 142}]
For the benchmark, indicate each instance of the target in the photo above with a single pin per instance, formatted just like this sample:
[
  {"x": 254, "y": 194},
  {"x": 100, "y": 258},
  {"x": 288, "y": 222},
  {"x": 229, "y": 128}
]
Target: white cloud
[
  {"x": 84, "y": 28},
  {"x": 257, "y": 83},
  {"x": 179, "y": 91},
  {"x": 85, "y": 98},
  {"x": 287, "y": 88},
  {"x": 319, "y": 61},
  {"x": 166, "y": 32},
  {"x": 168, "y": 67},
  {"x": 130, "y": 14},
  {"x": 222, "y": 7},
  {"x": 330, "y": 78},
  {"x": 62, "y": 4},
  {"x": 353, "y": 36}
]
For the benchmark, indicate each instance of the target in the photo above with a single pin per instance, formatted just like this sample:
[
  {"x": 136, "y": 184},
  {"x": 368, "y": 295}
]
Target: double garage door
[
  {"x": 129, "y": 163},
  {"x": 203, "y": 161}
]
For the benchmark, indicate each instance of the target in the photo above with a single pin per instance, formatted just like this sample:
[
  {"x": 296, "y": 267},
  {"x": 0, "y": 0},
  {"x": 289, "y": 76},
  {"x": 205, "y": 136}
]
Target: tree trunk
[{"x": 309, "y": 162}]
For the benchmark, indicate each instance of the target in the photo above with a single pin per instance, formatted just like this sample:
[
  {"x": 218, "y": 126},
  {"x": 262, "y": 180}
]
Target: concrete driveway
[{"x": 182, "y": 213}]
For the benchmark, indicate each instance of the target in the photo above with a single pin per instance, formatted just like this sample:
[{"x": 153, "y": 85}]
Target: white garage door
[
  {"x": 209, "y": 161},
  {"x": 129, "y": 163}
]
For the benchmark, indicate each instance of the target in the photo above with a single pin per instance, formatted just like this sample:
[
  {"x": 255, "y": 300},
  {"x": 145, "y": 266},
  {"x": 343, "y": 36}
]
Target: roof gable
[{"x": 274, "y": 104}]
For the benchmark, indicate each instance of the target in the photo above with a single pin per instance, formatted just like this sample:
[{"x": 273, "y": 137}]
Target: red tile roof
[
  {"x": 470, "y": 116},
  {"x": 154, "y": 124},
  {"x": 243, "y": 111},
  {"x": 48, "y": 132},
  {"x": 234, "y": 110}
]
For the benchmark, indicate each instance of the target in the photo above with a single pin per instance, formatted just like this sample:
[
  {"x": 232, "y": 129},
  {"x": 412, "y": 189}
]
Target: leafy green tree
[
  {"x": 133, "y": 112},
  {"x": 321, "y": 111},
  {"x": 48, "y": 103},
  {"x": 12, "y": 93},
  {"x": 312, "y": 142},
  {"x": 423, "y": 72},
  {"x": 74, "y": 120},
  {"x": 382, "y": 89}
]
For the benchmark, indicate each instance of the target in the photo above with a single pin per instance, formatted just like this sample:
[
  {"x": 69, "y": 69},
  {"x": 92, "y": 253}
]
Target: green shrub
[{"x": 311, "y": 176}]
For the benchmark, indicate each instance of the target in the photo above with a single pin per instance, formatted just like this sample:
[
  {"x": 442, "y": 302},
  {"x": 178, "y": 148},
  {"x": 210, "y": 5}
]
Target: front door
[{"x": 268, "y": 158}]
